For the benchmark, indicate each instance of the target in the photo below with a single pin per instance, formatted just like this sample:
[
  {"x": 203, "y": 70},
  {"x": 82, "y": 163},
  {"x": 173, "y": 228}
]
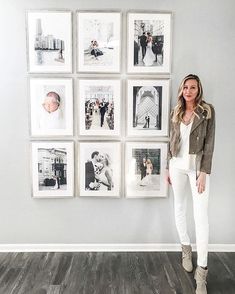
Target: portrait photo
[
  {"x": 147, "y": 107},
  {"x": 100, "y": 165},
  {"x": 99, "y": 109},
  {"x": 98, "y": 41},
  {"x": 145, "y": 165},
  {"x": 52, "y": 169},
  {"x": 49, "y": 41},
  {"x": 149, "y": 42},
  {"x": 51, "y": 101}
]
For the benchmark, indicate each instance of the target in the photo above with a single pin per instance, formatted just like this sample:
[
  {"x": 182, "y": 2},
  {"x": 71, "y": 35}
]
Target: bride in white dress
[
  {"x": 149, "y": 56},
  {"x": 147, "y": 180},
  {"x": 104, "y": 172}
]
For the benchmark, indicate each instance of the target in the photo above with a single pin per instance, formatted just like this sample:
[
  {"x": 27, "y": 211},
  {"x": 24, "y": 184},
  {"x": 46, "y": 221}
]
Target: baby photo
[{"x": 51, "y": 106}]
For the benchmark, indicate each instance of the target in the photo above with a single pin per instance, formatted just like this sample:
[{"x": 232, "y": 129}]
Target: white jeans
[{"x": 179, "y": 179}]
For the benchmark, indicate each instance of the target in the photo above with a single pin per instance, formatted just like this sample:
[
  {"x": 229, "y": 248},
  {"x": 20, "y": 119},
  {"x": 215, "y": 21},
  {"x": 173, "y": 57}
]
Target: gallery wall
[{"x": 203, "y": 43}]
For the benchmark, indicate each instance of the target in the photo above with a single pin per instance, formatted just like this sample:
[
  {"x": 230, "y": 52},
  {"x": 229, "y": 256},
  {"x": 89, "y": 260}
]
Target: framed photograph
[
  {"x": 52, "y": 169},
  {"x": 49, "y": 41},
  {"x": 148, "y": 107},
  {"x": 100, "y": 169},
  {"x": 51, "y": 101},
  {"x": 145, "y": 168},
  {"x": 98, "y": 41},
  {"x": 149, "y": 42},
  {"x": 99, "y": 110}
]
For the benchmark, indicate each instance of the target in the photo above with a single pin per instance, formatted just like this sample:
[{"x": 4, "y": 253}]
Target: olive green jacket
[{"x": 201, "y": 140}]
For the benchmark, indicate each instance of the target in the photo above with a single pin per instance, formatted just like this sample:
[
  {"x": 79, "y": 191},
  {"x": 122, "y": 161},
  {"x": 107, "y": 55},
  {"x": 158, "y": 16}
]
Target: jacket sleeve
[
  {"x": 206, "y": 161},
  {"x": 169, "y": 155}
]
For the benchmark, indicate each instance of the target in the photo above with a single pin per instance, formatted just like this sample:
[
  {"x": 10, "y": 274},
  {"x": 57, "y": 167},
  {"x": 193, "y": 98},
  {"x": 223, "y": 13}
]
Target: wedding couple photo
[
  {"x": 98, "y": 41},
  {"x": 99, "y": 102},
  {"x": 144, "y": 170},
  {"x": 149, "y": 42},
  {"x": 99, "y": 169}
]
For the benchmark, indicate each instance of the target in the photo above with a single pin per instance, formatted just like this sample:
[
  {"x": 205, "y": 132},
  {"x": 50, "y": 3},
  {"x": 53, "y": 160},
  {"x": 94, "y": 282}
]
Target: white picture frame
[
  {"x": 51, "y": 106},
  {"x": 100, "y": 169},
  {"x": 147, "y": 107},
  {"x": 99, "y": 107},
  {"x": 145, "y": 181},
  {"x": 52, "y": 169},
  {"x": 99, "y": 41},
  {"x": 149, "y": 42},
  {"x": 49, "y": 41}
]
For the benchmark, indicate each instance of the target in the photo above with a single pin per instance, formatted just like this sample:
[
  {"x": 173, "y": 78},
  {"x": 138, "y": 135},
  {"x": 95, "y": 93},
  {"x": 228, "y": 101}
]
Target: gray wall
[{"x": 203, "y": 43}]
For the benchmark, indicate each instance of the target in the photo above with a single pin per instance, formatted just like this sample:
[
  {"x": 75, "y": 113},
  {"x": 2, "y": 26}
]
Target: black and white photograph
[
  {"x": 149, "y": 42},
  {"x": 147, "y": 107},
  {"x": 49, "y": 41},
  {"x": 145, "y": 167},
  {"x": 52, "y": 169},
  {"x": 99, "y": 111},
  {"x": 100, "y": 165},
  {"x": 98, "y": 41},
  {"x": 51, "y": 101}
]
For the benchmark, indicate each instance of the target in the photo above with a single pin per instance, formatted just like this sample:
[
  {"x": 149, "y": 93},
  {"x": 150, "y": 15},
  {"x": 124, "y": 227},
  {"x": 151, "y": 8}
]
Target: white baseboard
[{"x": 107, "y": 247}]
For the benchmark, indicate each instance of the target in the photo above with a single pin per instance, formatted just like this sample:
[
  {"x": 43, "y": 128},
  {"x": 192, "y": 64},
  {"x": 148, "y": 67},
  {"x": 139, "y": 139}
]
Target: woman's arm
[{"x": 206, "y": 161}]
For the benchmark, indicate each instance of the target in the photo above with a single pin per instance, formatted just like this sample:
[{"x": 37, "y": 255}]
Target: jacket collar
[{"x": 199, "y": 118}]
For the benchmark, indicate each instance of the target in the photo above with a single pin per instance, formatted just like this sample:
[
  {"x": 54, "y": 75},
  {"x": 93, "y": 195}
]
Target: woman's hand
[
  {"x": 201, "y": 182},
  {"x": 168, "y": 179}
]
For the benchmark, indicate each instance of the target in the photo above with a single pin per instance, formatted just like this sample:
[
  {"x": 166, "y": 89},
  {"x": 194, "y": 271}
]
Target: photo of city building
[
  {"x": 49, "y": 41},
  {"x": 47, "y": 47},
  {"x": 52, "y": 168}
]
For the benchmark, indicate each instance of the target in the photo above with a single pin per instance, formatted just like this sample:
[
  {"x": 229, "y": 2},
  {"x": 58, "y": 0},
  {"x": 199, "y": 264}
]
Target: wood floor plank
[
  {"x": 158, "y": 273},
  {"x": 220, "y": 280},
  {"x": 79, "y": 273},
  {"x": 62, "y": 269},
  {"x": 186, "y": 279},
  {"x": 39, "y": 276},
  {"x": 110, "y": 273}
]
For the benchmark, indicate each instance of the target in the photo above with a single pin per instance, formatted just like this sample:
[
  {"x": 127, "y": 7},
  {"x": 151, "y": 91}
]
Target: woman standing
[
  {"x": 149, "y": 56},
  {"x": 147, "y": 180},
  {"x": 189, "y": 159}
]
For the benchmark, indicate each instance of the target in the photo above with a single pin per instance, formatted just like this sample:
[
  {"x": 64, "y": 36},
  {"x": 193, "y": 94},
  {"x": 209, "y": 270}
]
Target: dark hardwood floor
[{"x": 110, "y": 273}]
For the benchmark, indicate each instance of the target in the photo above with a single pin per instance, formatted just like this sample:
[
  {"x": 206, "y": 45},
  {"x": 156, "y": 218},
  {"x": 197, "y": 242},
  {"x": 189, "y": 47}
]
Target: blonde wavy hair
[{"x": 180, "y": 108}]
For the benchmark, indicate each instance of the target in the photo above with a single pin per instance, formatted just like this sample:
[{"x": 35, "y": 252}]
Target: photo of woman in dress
[
  {"x": 94, "y": 49},
  {"x": 105, "y": 172},
  {"x": 144, "y": 176},
  {"x": 147, "y": 180},
  {"x": 100, "y": 169},
  {"x": 149, "y": 57},
  {"x": 147, "y": 34}
]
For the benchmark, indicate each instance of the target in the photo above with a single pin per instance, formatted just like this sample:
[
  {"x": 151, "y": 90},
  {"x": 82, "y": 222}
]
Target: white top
[
  {"x": 184, "y": 160},
  {"x": 51, "y": 120}
]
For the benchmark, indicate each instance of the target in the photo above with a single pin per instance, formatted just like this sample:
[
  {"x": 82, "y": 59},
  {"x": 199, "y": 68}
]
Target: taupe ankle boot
[
  {"x": 200, "y": 277},
  {"x": 187, "y": 258}
]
